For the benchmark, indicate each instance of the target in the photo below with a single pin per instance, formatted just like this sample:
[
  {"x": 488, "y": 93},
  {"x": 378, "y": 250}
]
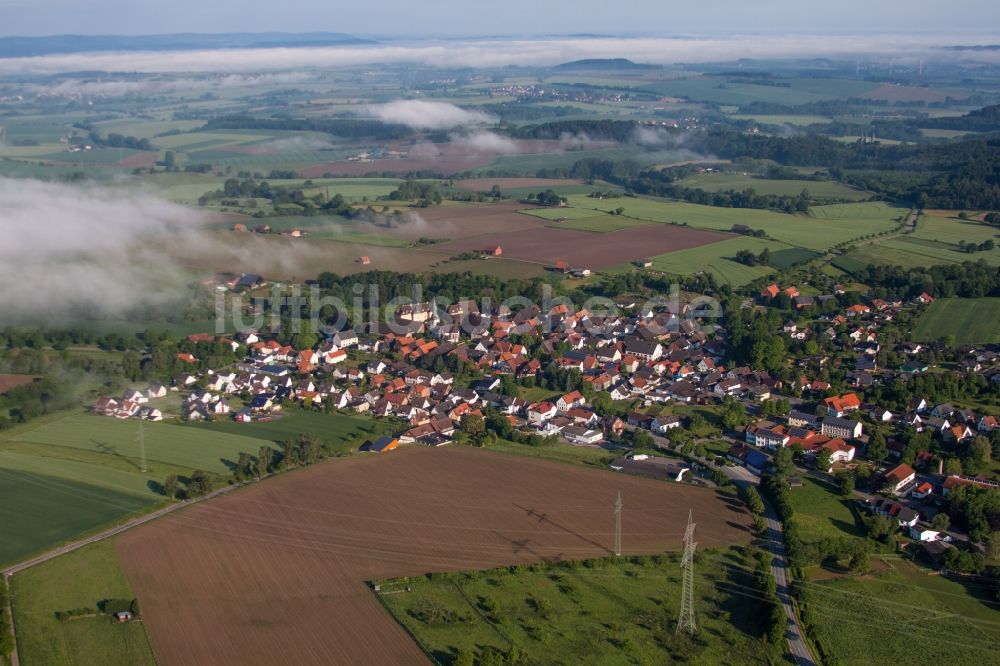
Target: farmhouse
[{"x": 493, "y": 250}]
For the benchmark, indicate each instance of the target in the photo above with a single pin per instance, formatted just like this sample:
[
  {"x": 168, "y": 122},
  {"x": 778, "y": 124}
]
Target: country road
[
  {"x": 100, "y": 536},
  {"x": 779, "y": 569},
  {"x": 797, "y": 645}
]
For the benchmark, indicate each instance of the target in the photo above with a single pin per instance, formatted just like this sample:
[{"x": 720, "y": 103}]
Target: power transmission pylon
[
  {"x": 686, "y": 620},
  {"x": 618, "y": 525},
  {"x": 142, "y": 447}
]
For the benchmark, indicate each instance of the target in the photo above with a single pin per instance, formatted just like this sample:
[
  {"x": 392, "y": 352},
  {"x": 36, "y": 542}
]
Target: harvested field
[
  {"x": 7, "y": 382},
  {"x": 484, "y": 184},
  {"x": 276, "y": 572},
  {"x": 142, "y": 160},
  {"x": 547, "y": 245},
  {"x": 461, "y": 220}
]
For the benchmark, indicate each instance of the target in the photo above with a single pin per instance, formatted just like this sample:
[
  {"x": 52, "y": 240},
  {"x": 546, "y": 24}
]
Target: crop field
[
  {"x": 528, "y": 164},
  {"x": 565, "y": 213},
  {"x": 600, "y": 224},
  {"x": 790, "y": 256},
  {"x": 832, "y": 225},
  {"x": 826, "y": 189},
  {"x": 342, "y": 429},
  {"x": 895, "y": 93},
  {"x": 876, "y": 616},
  {"x": 301, "y": 546},
  {"x": 57, "y": 585},
  {"x": 282, "y": 258},
  {"x": 870, "y": 210},
  {"x": 821, "y": 513},
  {"x": 781, "y": 119},
  {"x": 501, "y": 268},
  {"x": 443, "y": 158},
  {"x": 535, "y": 184},
  {"x": 177, "y": 446},
  {"x": 942, "y": 227},
  {"x": 547, "y": 245},
  {"x": 606, "y": 611},
  {"x": 99, "y": 156},
  {"x": 464, "y": 220},
  {"x": 718, "y": 259},
  {"x": 34, "y": 515},
  {"x": 969, "y": 320},
  {"x": 911, "y": 251},
  {"x": 720, "y": 90}
]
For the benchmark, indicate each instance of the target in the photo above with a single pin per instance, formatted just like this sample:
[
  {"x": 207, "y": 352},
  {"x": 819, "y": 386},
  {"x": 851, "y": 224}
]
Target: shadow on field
[
  {"x": 104, "y": 447},
  {"x": 544, "y": 518}
]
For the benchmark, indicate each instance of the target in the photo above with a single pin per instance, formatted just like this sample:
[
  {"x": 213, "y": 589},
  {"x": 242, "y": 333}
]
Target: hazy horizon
[{"x": 444, "y": 18}]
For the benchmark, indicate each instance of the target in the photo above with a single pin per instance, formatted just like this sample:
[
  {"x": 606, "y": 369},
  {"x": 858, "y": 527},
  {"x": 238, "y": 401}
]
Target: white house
[
  {"x": 662, "y": 424},
  {"x": 920, "y": 534},
  {"x": 134, "y": 395},
  {"x": 569, "y": 401},
  {"x": 541, "y": 412},
  {"x": 581, "y": 435}
]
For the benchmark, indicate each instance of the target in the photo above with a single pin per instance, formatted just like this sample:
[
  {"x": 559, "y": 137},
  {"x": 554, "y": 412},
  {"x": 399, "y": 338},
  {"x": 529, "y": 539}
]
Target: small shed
[{"x": 383, "y": 444}]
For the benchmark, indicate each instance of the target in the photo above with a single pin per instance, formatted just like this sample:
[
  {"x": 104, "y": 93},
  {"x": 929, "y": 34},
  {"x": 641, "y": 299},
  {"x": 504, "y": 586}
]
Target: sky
[{"x": 436, "y": 18}]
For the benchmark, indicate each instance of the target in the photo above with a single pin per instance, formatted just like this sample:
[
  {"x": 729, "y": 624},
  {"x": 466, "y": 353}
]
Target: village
[{"x": 607, "y": 379}]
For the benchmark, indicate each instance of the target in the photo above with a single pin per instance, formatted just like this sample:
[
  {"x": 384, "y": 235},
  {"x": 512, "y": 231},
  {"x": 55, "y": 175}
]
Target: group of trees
[
  {"x": 971, "y": 246},
  {"x": 29, "y": 401},
  {"x": 199, "y": 483},
  {"x": 968, "y": 279},
  {"x": 748, "y": 258},
  {"x": 546, "y": 198},
  {"x": 423, "y": 193}
]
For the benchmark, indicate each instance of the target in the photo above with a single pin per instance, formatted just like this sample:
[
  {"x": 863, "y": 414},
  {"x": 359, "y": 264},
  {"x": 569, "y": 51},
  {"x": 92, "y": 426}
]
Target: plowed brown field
[
  {"x": 585, "y": 249},
  {"x": 275, "y": 573}
]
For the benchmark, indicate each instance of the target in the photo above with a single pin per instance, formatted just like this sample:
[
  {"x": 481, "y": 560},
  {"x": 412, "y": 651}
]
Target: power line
[{"x": 686, "y": 620}]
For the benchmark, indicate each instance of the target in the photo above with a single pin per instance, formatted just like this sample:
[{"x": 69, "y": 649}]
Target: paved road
[
  {"x": 779, "y": 569},
  {"x": 797, "y": 645},
  {"x": 100, "y": 536}
]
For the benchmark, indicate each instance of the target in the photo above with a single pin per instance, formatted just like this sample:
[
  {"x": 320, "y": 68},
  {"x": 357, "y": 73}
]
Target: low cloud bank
[
  {"x": 72, "y": 248},
  {"x": 498, "y": 53},
  {"x": 424, "y": 115}
]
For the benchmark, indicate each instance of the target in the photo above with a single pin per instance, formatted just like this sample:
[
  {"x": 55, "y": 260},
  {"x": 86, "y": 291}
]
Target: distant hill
[
  {"x": 591, "y": 64},
  {"x": 12, "y": 47}
]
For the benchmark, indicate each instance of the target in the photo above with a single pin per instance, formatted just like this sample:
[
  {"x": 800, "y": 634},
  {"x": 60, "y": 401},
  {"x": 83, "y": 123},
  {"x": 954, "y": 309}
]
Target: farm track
[{"x": 278, "y": 572}]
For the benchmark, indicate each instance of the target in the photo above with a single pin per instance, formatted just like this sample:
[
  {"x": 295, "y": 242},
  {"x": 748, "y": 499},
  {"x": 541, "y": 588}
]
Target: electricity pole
[
  {"x": 618, "y": 525},
  {"x": 686, "y": 620}
]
